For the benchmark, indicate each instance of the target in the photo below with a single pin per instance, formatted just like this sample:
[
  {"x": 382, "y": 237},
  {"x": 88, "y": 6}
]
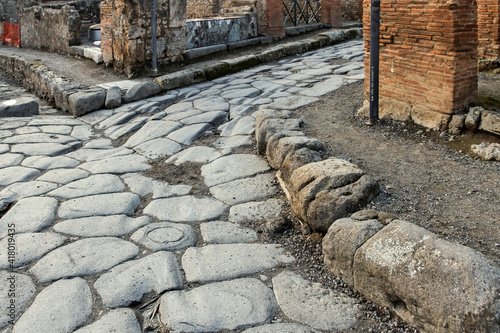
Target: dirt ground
[{"x": 423, "y": 179}]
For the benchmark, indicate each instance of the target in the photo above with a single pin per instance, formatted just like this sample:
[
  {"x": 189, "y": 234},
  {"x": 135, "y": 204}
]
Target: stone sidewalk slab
[
  {"x": 227, "y": 305},
  {"x": 229, "y": 261}
]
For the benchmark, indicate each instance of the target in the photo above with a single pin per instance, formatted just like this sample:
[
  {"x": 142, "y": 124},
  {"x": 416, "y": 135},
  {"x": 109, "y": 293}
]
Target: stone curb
[
  {"x": 432, "y": 284},
  {"x": 75, "y": 98}
]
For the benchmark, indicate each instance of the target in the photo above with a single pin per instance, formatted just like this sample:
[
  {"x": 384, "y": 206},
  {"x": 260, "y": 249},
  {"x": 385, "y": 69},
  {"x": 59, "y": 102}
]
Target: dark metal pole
[
  {"x": 153, "y": 33},
  {"x": 374, "y": 59}
]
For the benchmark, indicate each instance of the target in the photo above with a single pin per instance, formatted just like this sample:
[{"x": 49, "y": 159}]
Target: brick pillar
[
  {"x": 488, "y": 21},
  {"x": 274, "y": 18},
  {"x": 107, "y": 32},
  {"x": 428, "y": 59},
  {"x": 331, "y": 13}
]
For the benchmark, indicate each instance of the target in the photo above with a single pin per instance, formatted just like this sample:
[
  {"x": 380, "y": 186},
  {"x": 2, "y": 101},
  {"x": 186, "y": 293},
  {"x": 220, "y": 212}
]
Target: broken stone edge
[{"x": 380, "y": 260}]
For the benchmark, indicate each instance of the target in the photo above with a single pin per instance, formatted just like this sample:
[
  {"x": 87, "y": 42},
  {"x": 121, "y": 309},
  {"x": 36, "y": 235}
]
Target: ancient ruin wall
[
  {"x": 127, "y": 24},
  {"x": 49, "y": 29},
  {"x": 428, "y": 59},
  {"x": 488, "y": 14}
]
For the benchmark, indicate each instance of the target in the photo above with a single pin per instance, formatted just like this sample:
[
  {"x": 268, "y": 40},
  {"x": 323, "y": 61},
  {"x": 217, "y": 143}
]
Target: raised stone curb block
[
  {"x": 180, "y": 79},
  {"x": 19, "y": 107}
]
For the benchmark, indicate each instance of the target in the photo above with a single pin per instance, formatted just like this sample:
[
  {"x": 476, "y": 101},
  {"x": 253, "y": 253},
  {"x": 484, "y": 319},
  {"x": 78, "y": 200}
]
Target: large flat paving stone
[
  {"x": 47, "y": 162},
  {"x": 233, "y": 142},
  {"x": 158, "y": 148},
  {"x": 185, "y": 209},
  {"x": 165, "y": 236},
  {"x": 16, "y": 174},
  {"x": 312, "y": 304},
  {"x": 142, "y": 185},
  {"x": 28, "y": 247},
  {"x": 231, "y": 167},
  {"x": 244, "y": 190},
  {"x": 24, "y": 291},
  {"x": 29, "y": 215},
  {"x": 18, "y": 191},
  {"x": 281, "y": 328},
  {"x": 130, "y": 281},
  {"x": 118, "y": 320},
  {"x": 92, "y": 185},
  {"x": 198, "y": 154},
  {"x": 60, "y": 308},
  {"x": 152, "y": 130},
  {"x": 188, "y": 134},
  {"x": 118, "y": 164},
  {"x": 292, "y": 102},
  {"x": 227, "y": 261},
  {"x": 101, "y": 204},
  {"x": 255, "y": 210},
  {"x": 227, "y": 305},
  {"x": 323, "y": 88},
  {"x": 99, "y": 226},
  {"x": 240, "y": 126},
  {"x": 212, "y": 103},
  {"x": 9, "y": 160},
  {"x": 83, "y": 257},
  {"x": 39, "y": 138},
  {"x": 63, "y": 176},
  {"x": 100, "y": 152},
  {"x": 212, "y": 117},
  {"x": 222, "y": 232},
  {"x": 45, "y": 149}
]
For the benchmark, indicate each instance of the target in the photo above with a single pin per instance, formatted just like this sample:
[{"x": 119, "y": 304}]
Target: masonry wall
[
  {"x": 488, "y": 13},
  {"x": 49, "y": 29},
  {"x": 127, "y": 23},
  {"x": 428, "y": 59}
]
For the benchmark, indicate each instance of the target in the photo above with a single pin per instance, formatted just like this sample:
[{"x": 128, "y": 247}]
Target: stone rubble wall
[
  {"x": 50, "y": 29},
  {"x": 428, "y": 59},
  {"x": 434, "y": 285}
]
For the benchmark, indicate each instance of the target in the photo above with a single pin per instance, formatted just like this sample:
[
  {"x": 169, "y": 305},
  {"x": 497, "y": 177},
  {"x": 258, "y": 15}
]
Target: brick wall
[
  {"x": 128, "y": 24},
  {"x": 488, "y": 13},
  {"x": 428, "y": 59},
  {"x": 331, "y": 13},
  {"x": 49, "y": 29}
]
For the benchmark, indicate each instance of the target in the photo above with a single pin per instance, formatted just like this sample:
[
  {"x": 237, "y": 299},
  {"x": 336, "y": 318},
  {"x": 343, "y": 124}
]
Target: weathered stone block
[
  {"x": 456, "y": 124},
  {"x": 429, "y": 118},
  {"x": 343, "y": 239},
  {"x": 87, "y": 100},
  {"x": 328, "y": 206},
  {"x": 113, "y": 98},
  {"x": 19, "y": 107},
  {"x": 180, "y": 79},
  {"x": 267, "y": 127},
  {"x": 473, "y": 118},
  {"x": 307, "y": 181},
  {"x": 142, "y": 90},
  {"x": 295, "y": 160},
  {"x": 216, "y": 70},
  {"x": 282, "y": 144},
  {"x": 241, "y": 63},
  {"x": 429, "y": 282},
  {"x": 490, "y": 122}
]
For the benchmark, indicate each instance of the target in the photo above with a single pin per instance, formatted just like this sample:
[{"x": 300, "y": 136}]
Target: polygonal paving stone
[
  {"x": 116, "y": 119},
  {"x": 266, "y": 86},
  {"x": 19, "y": 191},
  {"x": 24, "y": 290},
  {"x": 231, "y": 167},
  {"x": 29, "y": 246},
  {"x": 82, "y": 133},
  {"x": 89, "y": 154},
  {"x": 348, "y": 67},
  {"x": 9, "y": 160},
  {"x": 101, "y": 204},
  {"x": 101, "y": 143},
  {"x": 312, "y": 304},
  {"x": 188, "y": 134},
  {"x": 281, "y": 328},
  {"x": 212, "y": 103},
  {"x": 142, "y": 185},
  {"x": 198, "y": 154},
  {"x": 292, "y": 102},
  {"x": 96, "y": 116},
  {"x": 95, "y": 184},
  {"x": 182, "y": 115},
  {"x": 234, "y": 142},
  {"x": 47, "y": 163},
  {"x": 129, "y": 281},
  {"x": 240, "y": 126},
  {"x": 63, "y": 176},
  {"x": 98, "y": 226},
  {"x": 83, "y": 257},
  {"x": 225, "y": 305},
  {"x": 40, "y": 138},
  {"x": 118, "y": 164},
  {"x": 29, "y": 215},
  {"x": 179, "y": 107},
  {"x": 221, "y": 232},
  {"x": 117, "y": 131},
  {"x": 165, "y": 236},
  {"x": 238, "y": 93},
  {"x": 56, "y": 129},
  {"x": 70, "y": 306},
  {"x": 118, "y": 320},
  {"x": 3, "y": 148},
  {"x": 51, "y": 120},
  {"x": 185, "y": 209},
  {"x": 152, "y": 130},
  {"x": 15, "y": 174},
  {"x": 244, "y": 190},
  {"x": 255, "y": 211},
  {"x": 5, "y": 133},
  {"x": 158, "y": 148},
  {"x": 323, "y": 88},
  {"x": 46, "y": 149},
  {"x": 228, "y": 261},
  {"x": 212, "y": 117}
]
